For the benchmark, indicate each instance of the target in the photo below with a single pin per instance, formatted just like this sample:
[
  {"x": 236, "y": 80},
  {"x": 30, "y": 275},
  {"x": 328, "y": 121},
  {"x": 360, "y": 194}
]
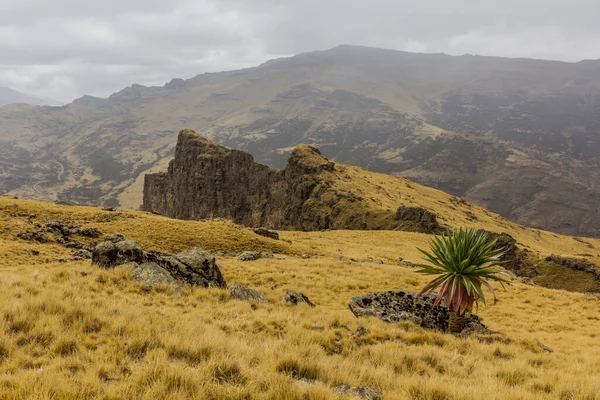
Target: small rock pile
[
  {"x": 395, "y": 306},
  {"x": 193, "y": 266}
]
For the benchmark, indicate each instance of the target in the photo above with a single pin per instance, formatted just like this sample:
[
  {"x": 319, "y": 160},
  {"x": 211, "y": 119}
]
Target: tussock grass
[{"x": 74, "y": 331}]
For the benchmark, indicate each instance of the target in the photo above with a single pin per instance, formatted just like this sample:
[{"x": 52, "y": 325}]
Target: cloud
[{"x": 66, "y": 48}]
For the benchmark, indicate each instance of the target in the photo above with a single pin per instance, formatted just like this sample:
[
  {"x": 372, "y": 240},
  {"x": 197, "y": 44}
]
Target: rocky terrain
[
  {"x": 206, "y": 181},
  {"x": 518, "y": 136}
]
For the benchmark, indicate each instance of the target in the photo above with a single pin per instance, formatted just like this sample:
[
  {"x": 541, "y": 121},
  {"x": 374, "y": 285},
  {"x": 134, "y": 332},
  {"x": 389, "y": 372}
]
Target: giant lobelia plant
[{"x": 462, "y": 262}]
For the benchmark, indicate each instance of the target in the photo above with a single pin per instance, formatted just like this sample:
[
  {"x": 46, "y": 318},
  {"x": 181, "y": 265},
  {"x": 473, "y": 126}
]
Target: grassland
[{"x": 70, "y": 330}]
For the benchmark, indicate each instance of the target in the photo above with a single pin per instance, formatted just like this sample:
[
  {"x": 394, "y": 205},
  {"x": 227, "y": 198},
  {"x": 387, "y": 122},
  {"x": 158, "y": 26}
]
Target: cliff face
[{"x": 206, "y": 180}]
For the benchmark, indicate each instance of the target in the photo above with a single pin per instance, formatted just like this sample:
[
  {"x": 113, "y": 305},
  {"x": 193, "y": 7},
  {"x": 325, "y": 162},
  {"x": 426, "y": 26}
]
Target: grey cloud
[{"x": 67, "y": 48}]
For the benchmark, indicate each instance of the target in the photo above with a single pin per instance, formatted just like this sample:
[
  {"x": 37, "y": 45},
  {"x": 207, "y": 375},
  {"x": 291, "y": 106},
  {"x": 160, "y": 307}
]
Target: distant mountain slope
[
  {"x": 519, "y": 136},
  {"x": 10, "y": 96}
]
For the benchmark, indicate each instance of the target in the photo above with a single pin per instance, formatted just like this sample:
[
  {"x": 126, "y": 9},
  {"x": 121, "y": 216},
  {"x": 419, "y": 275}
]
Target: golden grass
[{"x": 75, "y": 331}]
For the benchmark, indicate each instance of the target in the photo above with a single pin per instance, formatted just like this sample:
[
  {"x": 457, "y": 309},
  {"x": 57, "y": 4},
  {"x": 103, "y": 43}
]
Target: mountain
[
  {"x": 518, "y": 136},
  {"x": 10, "y": 96}
]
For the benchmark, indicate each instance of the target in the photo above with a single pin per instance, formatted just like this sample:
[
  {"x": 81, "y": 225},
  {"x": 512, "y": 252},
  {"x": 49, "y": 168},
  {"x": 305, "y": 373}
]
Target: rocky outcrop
[
  {"x": 206, "y": 181},
  {"x": 577, "y": 264},
  {"x": 269, "y": 233},
  {"x": 241, "y": 292},
  {"x": 398, "y": 306},
  {"x": 193, "y": 266}
]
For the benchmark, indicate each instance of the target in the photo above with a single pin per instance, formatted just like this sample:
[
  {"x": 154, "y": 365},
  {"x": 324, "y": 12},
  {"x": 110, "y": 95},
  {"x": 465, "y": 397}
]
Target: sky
[{"x": 64, "y": 49}]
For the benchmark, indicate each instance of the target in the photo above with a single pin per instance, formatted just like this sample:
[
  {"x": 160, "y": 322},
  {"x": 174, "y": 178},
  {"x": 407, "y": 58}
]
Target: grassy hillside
[{"x": 69, "y": 330}]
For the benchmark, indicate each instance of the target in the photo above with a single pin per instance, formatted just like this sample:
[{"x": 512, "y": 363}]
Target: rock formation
[
  {"x": 404, "y": 306},
  {"x": 206, "y": 180},
  {"x": 193, "y": 266}
]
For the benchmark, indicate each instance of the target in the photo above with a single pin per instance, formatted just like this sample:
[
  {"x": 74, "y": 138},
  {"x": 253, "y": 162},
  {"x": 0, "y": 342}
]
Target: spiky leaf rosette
[{"x": 463, "y": 261}]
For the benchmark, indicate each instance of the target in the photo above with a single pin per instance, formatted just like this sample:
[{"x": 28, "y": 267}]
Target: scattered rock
[
  {"x": 545, "y": 348},
  {"x": 152, "y": 274},
  {"x": 62, "y": 260},
  {"x": 90, "y": 232},
  {"x": 34, "y": 236},
  {"x": 306, "y": 256},
  {"x": 249, "y": 256},
  {"x": 395, "y": 306},
  {"x": 407, "y": 263},
  {"x": 82, "y": 254},
  {"x": 267, "y": 233},
  {"x": 359, "y": 392},
  {"x": 241, "y": 292},
  {"x": 33, "y": 252},
  {"x": 358, "y": 260},
  {"x": 295, "y": 298},
  {"x": 115, "y": 238}
]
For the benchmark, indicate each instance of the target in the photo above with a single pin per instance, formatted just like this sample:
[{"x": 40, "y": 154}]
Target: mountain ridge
[{"x": 484, "y": 128}]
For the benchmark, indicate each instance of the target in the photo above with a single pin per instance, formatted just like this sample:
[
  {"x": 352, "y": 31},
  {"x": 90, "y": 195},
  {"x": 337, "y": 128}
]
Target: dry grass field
[{"x": 70, "y": 330}]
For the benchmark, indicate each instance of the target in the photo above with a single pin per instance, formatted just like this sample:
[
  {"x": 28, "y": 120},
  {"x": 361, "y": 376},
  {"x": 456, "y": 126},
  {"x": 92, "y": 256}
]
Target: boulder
[
  {"x": 108, "y": 254},
  {"x": 395, "y": 306},
  {"x": 359, "y": 392},
  {"x": 152, "y": 274},
  {"x": 193, "y": 266},
  {"x": 249, "y": 256},
  {"x": 271, "y": 234},
  {"x": 295, "y": 298},
  {"x": 241, "y": 292}
]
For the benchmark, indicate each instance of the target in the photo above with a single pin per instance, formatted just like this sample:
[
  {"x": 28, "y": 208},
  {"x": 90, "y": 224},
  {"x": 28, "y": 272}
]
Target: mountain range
[
  {"x": 11, "y": 96},
  {"x": 518, "y": 136}
]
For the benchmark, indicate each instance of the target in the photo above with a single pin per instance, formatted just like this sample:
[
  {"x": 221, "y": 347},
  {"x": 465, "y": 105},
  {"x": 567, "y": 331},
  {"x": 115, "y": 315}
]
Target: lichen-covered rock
[
  {"x": 115, "y": 238},
  {"x": 152, "y": 274},
  {"x": 193, "y": 266},
  {"x": 108, "y": 254},
  {"x": 82, "y": 254},
  {"x": 241, "y": 292},
  {"x": 395, "y": 306},
  {"x": 249, "y": 256},
  {"x": 34, "y": 236},
  {"x": 271, "y": 234},
  {"x": 90, "y": 232},
  {"x": 295, "y": 298},
  {"x": 359, "y": 392}
]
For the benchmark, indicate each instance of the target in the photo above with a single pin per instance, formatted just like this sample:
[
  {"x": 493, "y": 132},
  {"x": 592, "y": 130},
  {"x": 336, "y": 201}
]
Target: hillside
[
  {"x": 73, "y": 330},
  {"x": 517, "y": 136},
  {"x": 10, "y": 96}
]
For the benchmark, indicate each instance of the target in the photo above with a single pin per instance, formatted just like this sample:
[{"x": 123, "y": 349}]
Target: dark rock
[
  {"x": 108, "y": 254},
  {"x": 267, "y": 233},
  {"x": 359, "y": 392},
  {"x": 90, "y": 232},
  {"x": 577, "y": 264},
  {"x": 241, "y": 292},
  {"x": 418, "y": 219},
  {"x": 34, "y": 236},
  {"x": 33, "y": 252},
  {"x": 82, "y": 254},
  {"x": 193, "y": 266},
  {"x": 295, "y": 298},
  {"x": 249, "y": 256},
  {"x": 115, "y": 238},
  {"x": 395, "y": 306},
  {"x": 152, "y": 274},
  {"x": 74, "y": 244}
]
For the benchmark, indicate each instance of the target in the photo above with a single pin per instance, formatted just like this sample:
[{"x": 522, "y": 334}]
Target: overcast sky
[{"x": 66, "y": 48}]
